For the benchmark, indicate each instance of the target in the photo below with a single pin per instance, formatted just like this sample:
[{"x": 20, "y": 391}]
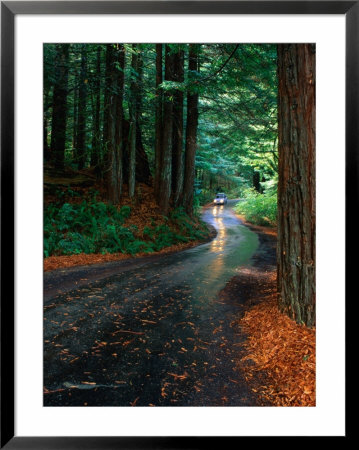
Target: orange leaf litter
[
  {"x": 283, "y": 353},
  {"x": 82, "y": 259}
]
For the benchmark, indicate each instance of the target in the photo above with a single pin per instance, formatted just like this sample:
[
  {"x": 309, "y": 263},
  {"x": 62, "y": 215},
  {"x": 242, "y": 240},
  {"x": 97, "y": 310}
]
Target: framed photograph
[{"x": 175, "y": 183}]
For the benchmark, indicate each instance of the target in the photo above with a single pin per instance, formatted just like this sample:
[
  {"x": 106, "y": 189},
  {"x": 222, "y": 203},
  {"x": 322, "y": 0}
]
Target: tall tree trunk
[
  {"x": 47, "y": 153},
  {"x": 111, "y": 171},
  {"x": 296, "y": 188},
  {"x": 191, "y": 133},
  {"x": 177, "y": 144},
  {"x": 96, "y": 140},
  {"x": 59, "y": 107},
  {"x": 81, "y": 133},
  {"x": 143, "y": 172},
  {"x": 133, "y": 122},
  {"x": 158, "y": 120},
  {"x": 166, "y": 159},
  {"x": 46, "y": 145},
  {"x": 106, "y": 109},
  {"x": 119, "y": 138},
  {"x": 75, "y": 117}
]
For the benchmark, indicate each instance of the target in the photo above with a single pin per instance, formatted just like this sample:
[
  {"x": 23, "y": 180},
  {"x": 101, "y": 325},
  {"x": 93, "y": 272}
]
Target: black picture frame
[{"x": 9, "y": 9}]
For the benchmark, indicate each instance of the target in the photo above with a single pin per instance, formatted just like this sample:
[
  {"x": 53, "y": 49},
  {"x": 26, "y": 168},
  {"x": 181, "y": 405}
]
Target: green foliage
[
  {"x": 259, "y": 209},
  {"x": 186, "y": 225},
  {"x": 178, "y": 228},
  {"x": 237, "y": 191},
  {"x": 88, "y": 227},
  {"x": 97, "y": 227},
  {"x": 206, "y": 196},
  {"x": 169, "y": 86},
  {"x": 237, "y": 130}
]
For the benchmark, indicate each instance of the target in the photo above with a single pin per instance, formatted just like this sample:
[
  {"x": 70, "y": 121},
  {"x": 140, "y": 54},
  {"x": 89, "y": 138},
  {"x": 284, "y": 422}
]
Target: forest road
[{"x": 157, "y": 333}]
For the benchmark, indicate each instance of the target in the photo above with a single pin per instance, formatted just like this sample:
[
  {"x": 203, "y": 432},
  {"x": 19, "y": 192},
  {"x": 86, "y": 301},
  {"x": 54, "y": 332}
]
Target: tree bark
[
  {"x": 106, "y": 107},
  {"x": 133, "y": 121},
  {"x": 96, "y": 140},
  {"x": 59, "y": 108},
  {"x": 110, "y": 122},
  {"x": 47, "y": 152},
  {"x": 46, "y": 145},
  {"x": 191, "y": 133},
  {"x": 143, "y": 172},
  {"x": 158, "y": 120},
  {"x": 296, "y": 188},
  {"x": 177, "y": 144},
  {"x": 75, "y": 117},
  {"x": 119, "y": 141},
  {"x": 81, "y": 133},
  {"x": 166, "y": 159}
]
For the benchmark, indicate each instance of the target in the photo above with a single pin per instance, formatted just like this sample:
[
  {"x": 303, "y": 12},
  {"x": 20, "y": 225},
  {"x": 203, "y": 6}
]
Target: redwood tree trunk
[
  {"x": 191, "y": 134},
  {"x": 47, "y": 153},
  {"x": 106, "y": 101},
  {"x": 143, "y": 172},
  {"x": 158, "y": 124},
  {"x": 119, "y": 117},
  {"x": 96, "y": 140},
  {"x": 296, "y": 188},
  {"x": 75, "y": 117},
  {"x": 59, "y": 108},
  {"x": 111, "y": 171},
  {"x": 166, "y": 160},
  {"x": 81, "y": 133},
  {"x": 177, "y": 144},
  {"x": 133, "y": 121},
  {"x": 46, "y": 145}
]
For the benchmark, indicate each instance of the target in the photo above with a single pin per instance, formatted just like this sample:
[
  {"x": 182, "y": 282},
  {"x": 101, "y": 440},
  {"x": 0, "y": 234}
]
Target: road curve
[{"x": 154, "y": 332}]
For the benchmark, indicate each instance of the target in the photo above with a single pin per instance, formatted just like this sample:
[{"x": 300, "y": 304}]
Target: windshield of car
[{"x": 220, "y": 196}]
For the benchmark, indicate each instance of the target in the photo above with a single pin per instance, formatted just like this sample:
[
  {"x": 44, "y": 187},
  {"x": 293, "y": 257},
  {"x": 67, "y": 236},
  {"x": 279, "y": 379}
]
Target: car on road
[{"x": 221, "y": 199}]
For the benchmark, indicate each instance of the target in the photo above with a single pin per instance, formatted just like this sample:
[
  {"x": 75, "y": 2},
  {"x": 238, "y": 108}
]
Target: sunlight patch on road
[{"x": 217, "y": 244}]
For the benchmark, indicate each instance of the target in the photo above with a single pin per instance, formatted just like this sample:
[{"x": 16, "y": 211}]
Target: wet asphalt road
[{"x": 150, "y": 332}]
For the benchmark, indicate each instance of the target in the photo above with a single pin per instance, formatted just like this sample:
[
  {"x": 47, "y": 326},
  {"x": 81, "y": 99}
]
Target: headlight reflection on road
[
  {"x": 218, "y": 243},
  {"x": 217, "y": 210}
]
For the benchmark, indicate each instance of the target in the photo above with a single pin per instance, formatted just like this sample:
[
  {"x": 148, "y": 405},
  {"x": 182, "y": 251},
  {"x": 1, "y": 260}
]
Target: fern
[{"x": 95, "y": 227}]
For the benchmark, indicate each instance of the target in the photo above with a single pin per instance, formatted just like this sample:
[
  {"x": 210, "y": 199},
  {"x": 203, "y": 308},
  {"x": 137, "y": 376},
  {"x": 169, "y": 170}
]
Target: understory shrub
[
  {"x": 179, "y": 228},
  {"x": 259, "y": 209},
  {"x": 88, "y": 227},
  {"x": 97, "y": 227},
  {"x": 206, "y": 196}
]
